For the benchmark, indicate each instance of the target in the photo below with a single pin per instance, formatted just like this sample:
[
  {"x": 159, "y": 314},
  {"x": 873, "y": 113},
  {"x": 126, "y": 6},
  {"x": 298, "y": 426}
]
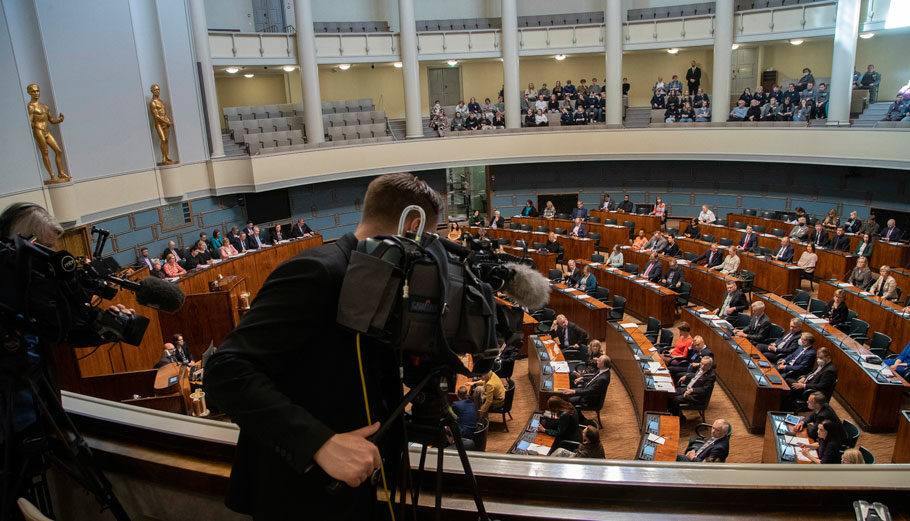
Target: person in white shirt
[
  {"x": 706, "y": 216},
  {"x": 542, "y": 105}
]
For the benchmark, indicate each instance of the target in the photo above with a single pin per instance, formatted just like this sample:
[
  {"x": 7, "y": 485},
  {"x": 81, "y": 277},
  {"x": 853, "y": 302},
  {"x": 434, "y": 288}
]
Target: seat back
[
  {"x": 720, "y": 222},
  {"x": 801, "y": 298},
  {"x": 526, "y": 227},
  {"x": 666, "y": 338},
  {"x": 816, "y": 306},
  {"x": 858, "y": 328},
  {"x": 602, "y": 294},
  {"x": 559, "y": 231},
  {"x": 758, "y": 228},
  {"x": 504, "y": 242},
  {"x": 748, "y": 278},
  {"x": 750, "y": 212},
  {"x": 775, "y": 333},
  {"x": 739, "y": 226},
  {"x": 510, "y": 395},
  {"x": 631, "y": 268},
  {"x": 520, "y": 243},
  {"x": 653, "y": 326},
  {"x": 852, "y": 434},
  {"x": 562, "y": 216},
  {"x": 778, "y": 232},
  {"x": 610, "y": 221},
  {"x": 689, "y": 256},
  {"x": 594, "y": 220},
  {"x": 596, "y": 257},
  {"x": 596, "y": 238},
  {"x": 538, "y": 245},
  {"x": 619, "y": 307},
  {"x": 707, "y": 237},
  {"x": 880, "y": 343},
  {"x": 868, "y": 457},
  {"x": 543, "y": 229},
  {"x": 685, "y": 291},
  {"x": 724, "y": 241},
  {"x": 630, "y": 225},
  {"x": 554, "y": 274}
]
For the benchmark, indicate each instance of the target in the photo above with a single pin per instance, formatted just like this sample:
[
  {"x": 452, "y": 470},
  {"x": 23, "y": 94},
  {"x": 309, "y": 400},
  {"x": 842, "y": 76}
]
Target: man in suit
[
  {"x": 821, "y": 411},
  {"x": 693, "y": 78},
  {"x": 291, "y": 432},
  {"x": 626, "y": 205},
  {"x": 240, "y": 243},
  {"x": 675, "y": 276},
  {"x": 891, "y": 232},
  {"x": 609, "y": 204},
  {"x": 578, "y": 229},
  {"x": 800, "y": 231},
  {"x": 748, "y": 241},
  {"x": 466, "y": 412},
  {"x": 591, "y": 393},
  {"x": 759, "y": 325},
  {"x": 672, "y": 249},
  {"x": 692, "y": 362},
  {"x": 143, "y": 260},
  {"x": 276, "y": 234},
  {"x": 249, "y": 228},
  {"x": 497, "y": 221},
  {"x": 711, "y": 258},
  {"x": 821, "y": 379},
  {"x": 693, "y": 390},
  {"x": 569, "y": 334},
  {"x": 579, "y": 211},
  {"x": 572, "y": 274},
  {"x": 172, "y": 248},
  {"x": 733, "y": 302},
  {"x": 205, "y": 239},
  {"x": 233, "y": 235},
  {"x": 800, "y": 361},
  {"x": 715, "y": 448},
  {"x": 819, "y": 237},
  {"x": 785, "y": 344},
  {"x": 652, "y": 269},
  {"x": 656, "y": 242},
  {"x": 885, "y": 286},
  {"x": 840, "y": 241},
  {"x": 785, "y": 252},
  {"x": 301, "y": 229},
  {"x": 168, "y": 356},
  {"x": 254, "y": 241}
]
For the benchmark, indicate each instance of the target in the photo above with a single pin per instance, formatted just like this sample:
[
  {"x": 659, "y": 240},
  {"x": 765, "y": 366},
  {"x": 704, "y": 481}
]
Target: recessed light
[
  {"x": 452, "y": 63},
  {"x": 248, "y": 75},
  {"x": 397, "y": 65},
  {"x": 289, "y": 68},
  {"x": 673, "y": 50},
  {"x": 796, "y": 42},
  {"x": 232, "y": 70},
  {"x": 560, "y": 57},
  {"x": 866, "y": 36},
  {"x": 734, "y": 46},
  {"x": 344, "y": 66}
]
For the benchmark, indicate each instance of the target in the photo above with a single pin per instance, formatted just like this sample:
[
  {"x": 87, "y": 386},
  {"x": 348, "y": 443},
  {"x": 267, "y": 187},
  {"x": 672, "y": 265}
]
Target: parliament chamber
[{"x": 216, "y": 149}]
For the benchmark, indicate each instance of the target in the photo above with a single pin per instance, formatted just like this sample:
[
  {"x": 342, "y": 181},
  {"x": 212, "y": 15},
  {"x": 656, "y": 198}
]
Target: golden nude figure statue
[
  {"x": 162, "y": 124},
  {"x": 39, "y": 116}
]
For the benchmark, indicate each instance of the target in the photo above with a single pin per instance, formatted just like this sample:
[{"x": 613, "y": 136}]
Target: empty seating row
[
  {"x": 351, "y": 105},
  {"x": 672, "y": 12},
  {"x": 353, "y": 118},
  {"x": 461, "y": 24},
  {"x": 263, "y": 111},
  {"x": 310, "y": 146},
  {"x": 256, "y": 126},
  {"x": 357, "y": 132},
  {"x": 747, "y": 5},
  {"x": 272, "y": 139},
  {"x": 595, "y": 17},
  {"x": 351, "y": 27}
]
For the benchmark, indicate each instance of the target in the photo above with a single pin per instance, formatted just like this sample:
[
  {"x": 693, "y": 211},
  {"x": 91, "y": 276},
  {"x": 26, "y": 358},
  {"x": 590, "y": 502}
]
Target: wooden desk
[
  {"x": 530, "y": 437},
  {"x": 872, "y": 399},
  {"x": 667, "y": 427},
  {"x": 775, "y": 448},
  {"x": 610, "y": 234},
  {"x": 902, "y": 277},
  {"x": 738, "y": 370},
  {"x": 528, "y": 328},
  {"x": 882, "y": 315},
  {"x": 648, "y": 223},
  {"x": 574, "y": 247},
  {"x": 544, "y": 378},
  {"x": 630, "y": 353},
  {"x": 642, "y": 298},
  {"x": 708, "y": 285},
  {"x": 771, "y": 275},
  {"x": 221, "y": 309},
  {"x": 902, "y": 442},
  {"x": 544, "y": 261},
  {"x": 586, "y": 311}
]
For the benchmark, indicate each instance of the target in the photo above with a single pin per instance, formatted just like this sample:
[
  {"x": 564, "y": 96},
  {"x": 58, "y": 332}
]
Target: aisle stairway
[
  {"x": 873, "y": 113},
  {"x": 231, "y": 148},
  {"x": 397, "y": 126},
  {"x": 638, "y": 117}
]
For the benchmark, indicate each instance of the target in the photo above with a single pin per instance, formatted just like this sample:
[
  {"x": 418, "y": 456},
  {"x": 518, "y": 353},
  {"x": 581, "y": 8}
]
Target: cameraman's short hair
[
  {"x": 388, "y": 195},
  {"x": 27, "y": 220}
]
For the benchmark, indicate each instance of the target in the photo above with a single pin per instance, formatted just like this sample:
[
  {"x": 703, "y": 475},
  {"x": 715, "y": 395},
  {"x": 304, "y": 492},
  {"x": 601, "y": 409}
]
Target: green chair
[
  {"x": 868, "y": 457},
  {"x": 852, "y": 434}
]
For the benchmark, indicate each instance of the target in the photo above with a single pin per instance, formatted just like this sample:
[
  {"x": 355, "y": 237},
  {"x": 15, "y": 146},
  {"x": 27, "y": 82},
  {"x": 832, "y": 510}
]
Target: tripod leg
[
  {"x": 466, "y": 465},
  {"x": 440, "y": 449},
  {"x": 9, "y": 484},
  {"x": 415, "y": 490}
]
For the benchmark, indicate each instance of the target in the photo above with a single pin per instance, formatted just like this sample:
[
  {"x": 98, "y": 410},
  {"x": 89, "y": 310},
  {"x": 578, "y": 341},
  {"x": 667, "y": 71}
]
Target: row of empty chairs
[
  {"x": 351, "y": 27},
  {"x": 675, "y": 11},
  {"x": 324, "y": 144},
  {"x": 296, "y": 109},
  {"x": 256, "y": 126},
  {"x": 255, "y": 142},
  {"x": 353, "y": 118},
  {"x": 376, "y": 130},
  {"x": 594, "y": 17},
  {"x": 350, "y": 105}
]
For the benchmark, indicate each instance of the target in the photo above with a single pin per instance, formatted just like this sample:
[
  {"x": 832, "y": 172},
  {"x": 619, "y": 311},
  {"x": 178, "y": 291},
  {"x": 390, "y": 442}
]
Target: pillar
[
  {"x": 204, "y": 57},
  {"x": 309, "y": 71},
  {"x": 723, "y": 61},
  {"x": 410, "y": 68},
  {"x": 613, "y": 44},
  {"x": 846, "y": 29},
  {"x": 511, "y": 89}
]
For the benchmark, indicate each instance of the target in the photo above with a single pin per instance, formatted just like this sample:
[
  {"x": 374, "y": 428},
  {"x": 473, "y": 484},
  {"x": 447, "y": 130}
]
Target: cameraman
[{"x": 289, "y": 377}]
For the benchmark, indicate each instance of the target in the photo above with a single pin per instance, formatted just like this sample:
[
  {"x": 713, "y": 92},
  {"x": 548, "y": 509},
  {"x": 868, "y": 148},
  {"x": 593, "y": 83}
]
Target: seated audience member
[
  {"x": 466, "y": 413},
  {"x": 865, "y": 247},
  {"x": 494, "y": 393},
  {"x": 143, "y": 260},
  {"x": 870, "y": 227},
  {"x": 675, "y": 276},
  {"x": 594, "y": 389},
  {"x": 748, "y": 241},
  {"x": 462, "y": 108},
  {"x": 803, "y": 111},
  {"x": 786, "y": 110},
  {"x": 156, "y": 270},
  {"x": 730, "y": 265},
  {"x": 549, "y": 210},
  {"x": 776, "y": 94},
  {"x": 542, "y": 104},
  {"x": 800, "y": 361},
  {"x": 569, "y": 334},
  {"x": 800, "y": 231},
  {"x": 821, "y": 379},
  {"x": 819, "y": 237},
  {"x": 557, "y": 91},
  {"x": 171, "y": 268},
  {"x": 498, "y": 120},
  {"x": 640, "y": 240},
  {"x": 840, "y": 241},
  {"x": 656, "y": 242},
  {"x": 580, "y": 117},
  {"x": 540, "y": 119},
  {"x": 759, "y": 327},
  {"x": 785, "y": 252},
  {"x": 660, "y": 85},
  {"x": 805, "y": 81},
  {"x": 652, "y": 269},
  {"x": 791, "y": 94},
  {"x": 754, "y": 112},
  {"x": 746, "y": 96},
  {"x": 716, "y": 448},
  {"x": 458, "y": 122},
  {"x": 672, "y": 249},
  {"x": 569, "y": 105},
  {"x": 701, "y": 97},
  {"x": 562, "y": 425},
  {"x": 587, "y": 283},
  {"x": 439, "y": 122},
  {"x": 885, "y": 286},
  {"x": 681, "y": 366},
  {"x": 608, "y": 205},
  {"x": 821, "y": 102},
  {"x": 891, "y": 232},
  {"x": 529, "y": 210},
  {"x": 276, "y": 234},
  {"x": 168, "y": 356},
  {"x": 497, "y": 221},
  {"x": 897, "y": 110},
  {"x": 808, "y": 259},
  {"x": 836, "y": 310},
  {"x": 829, "y": 444},
  {"x": 254, "y": 240},
  {"x": 831, "y": 219},
  {"x": 821, "y": 411},
  {"x": 626, "y": 205},
  {"x": 711, "y": 258},
  {"x": 172, "y": 250},
  {"x": 770, "y": 111},
  {"x": 577, "y": 378},
  {"x": 693, "y": 389},
  {"x": 739, "y": 111},
  {"x": 565, "y": 117},
  {"x": 472, "y": 123},
  {"x": 657, "y": 101},
  {"x": 590, "y": 446},
  {"x": 901, "y": 364},
  {"x": 578, "y": 229},
  {"x": 782, "y": 347},
  {"x": 301, "y": 229},
  {"x": 543, "y": 92},
  {"x": 680, "y": 349},
  {"x": 675, "y": 84},
  {"x": 569, "y": 90},
  {"x": 227, "y": 250},
  {"x": 861, "y": 276},
  {"x": 703, "y": 112},
  {"x": 871, "y": 80},
  {"x": 488, "y": 109},
  {"x": 616, "y": 259},
  {"x": 671, "y": 115},
  {"x": 706, "y": 216},
  {"x": 572, "y": 274},
  {"x": 531, "y": 92},
  {"x": 854, "y": 223},
  {"x": 760, "y": 95},
  {"x": 693, "y": 230},
  {"x": 484, "y": 122},
  {"x": 852, "y": 456},
  {"x": 733, "y": 301},
  {"x": 553, "y": 105}
]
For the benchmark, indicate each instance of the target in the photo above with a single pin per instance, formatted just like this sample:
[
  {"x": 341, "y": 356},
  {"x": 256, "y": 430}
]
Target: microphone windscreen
[
  {"x": 160, "y": 294},
  {"x": 528, "y": 287}
]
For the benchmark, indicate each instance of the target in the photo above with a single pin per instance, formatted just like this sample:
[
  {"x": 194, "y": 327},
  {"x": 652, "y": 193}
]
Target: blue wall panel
[
  {"x": 149, "y": 217},
  {"x": 130, "y": 239}
]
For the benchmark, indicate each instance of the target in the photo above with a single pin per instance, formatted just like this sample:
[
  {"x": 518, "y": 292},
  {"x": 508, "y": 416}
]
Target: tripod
[{"x": 53, "y": 440}]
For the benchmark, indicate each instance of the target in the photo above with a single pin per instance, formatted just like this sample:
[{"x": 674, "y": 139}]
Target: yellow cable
[{"x": 366, "y": 403}]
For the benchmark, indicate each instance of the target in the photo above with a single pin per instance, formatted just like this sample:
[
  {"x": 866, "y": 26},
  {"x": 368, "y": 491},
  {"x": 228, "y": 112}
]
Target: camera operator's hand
[
  {"x": 120, "y": 308},
  {"x": 349, "y": 456}
]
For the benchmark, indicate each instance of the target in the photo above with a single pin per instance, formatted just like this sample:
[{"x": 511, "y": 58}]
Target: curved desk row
[
  {"x": 708, "y": 285},
  {"x": 610, "y": 234},
  {"x": 882, "y": 315},
  {"x": 640, "y": 367},
  {"x": 547, "y": 369},
  {"x": 586, "y": 311},
  {"x": 648, "y": 223},
  {"x": 643, "y": 297},
  {"x": 573, "y": 247}
]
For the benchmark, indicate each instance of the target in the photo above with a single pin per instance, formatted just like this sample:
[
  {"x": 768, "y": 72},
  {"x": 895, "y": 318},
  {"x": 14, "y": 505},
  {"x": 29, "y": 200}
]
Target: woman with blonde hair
[
  {"x": 550, "y": 211},
  {"x": 831, "y": 219},
  {"x": 852, "y": 456},
  {"x": 730, "y": 265}
]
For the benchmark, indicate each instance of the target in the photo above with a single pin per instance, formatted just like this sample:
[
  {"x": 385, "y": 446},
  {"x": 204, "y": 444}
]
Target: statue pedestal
[
  {"x": 170, "y": 181},
  {"x": 63, "y": 201}
]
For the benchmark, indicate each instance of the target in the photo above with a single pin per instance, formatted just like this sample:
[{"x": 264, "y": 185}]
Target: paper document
[
  {"x": 801, "y": 457},
  {"x": 664, "y": 386},
  {"x": 539, "y": 449},
  {"x": 711, "y": 317},
  {"x": 874, "y": 367},
  {"x": 865, "y": 293},
  {"x": 653, "y": 438},
  {"x": 818, "y": 321},
  {"x": 594, "y": 264},
  {"x": 794, "y": 440},
  {"x": 663, "y": 378},
  {"x": 656, "y": 368},
  {"x": 560, "y": 367},
  {"x": 843, "y": 284},
  {"x": 629, "y": 325},
  {"x": 584, "y": 295}
]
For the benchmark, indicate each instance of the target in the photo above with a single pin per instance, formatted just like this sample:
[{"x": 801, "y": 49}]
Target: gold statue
[
  {"x": 162, "y": 124},
  {"x": 39, "y": 116}
]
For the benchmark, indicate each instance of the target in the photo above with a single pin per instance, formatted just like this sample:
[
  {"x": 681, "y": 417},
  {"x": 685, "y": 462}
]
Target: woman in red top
[
  {"x": 660, "y": 210},
  {"x": 683, "y": 343},
  {"x": 171, "y": 268}
]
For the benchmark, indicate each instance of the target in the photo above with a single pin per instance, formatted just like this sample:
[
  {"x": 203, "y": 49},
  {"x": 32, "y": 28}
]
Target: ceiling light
[
  {"x": 452, "y": 63},
  {"x": 796, "y": 42},
  {"x": 734, "y": 46},
  {"x": 560, "y": 57},
  {"x": 866, "y": 36},
  {"x": 248, "y": 75},
  {"x": 344, "y": 66},
  {"x": 397, "y": 65},
  {"x": 232, "y": 70},
  {"x": 288, "y": 68},
  {"x": 673, "y": 50}
]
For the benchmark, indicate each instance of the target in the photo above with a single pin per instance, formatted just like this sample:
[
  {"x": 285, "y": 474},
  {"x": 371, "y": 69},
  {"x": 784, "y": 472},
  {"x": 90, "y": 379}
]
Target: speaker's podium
[{"x": 173, "y": 391}]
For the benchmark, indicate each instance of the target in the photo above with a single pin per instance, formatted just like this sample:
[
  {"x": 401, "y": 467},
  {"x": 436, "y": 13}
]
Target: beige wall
[{"x": 643, "y": 67}]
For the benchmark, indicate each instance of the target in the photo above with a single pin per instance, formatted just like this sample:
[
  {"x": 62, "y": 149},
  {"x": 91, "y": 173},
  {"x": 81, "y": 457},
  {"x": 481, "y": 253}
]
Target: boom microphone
[
  {"x": 527, "y": 286},
  {"x": 154, "y": 293}
]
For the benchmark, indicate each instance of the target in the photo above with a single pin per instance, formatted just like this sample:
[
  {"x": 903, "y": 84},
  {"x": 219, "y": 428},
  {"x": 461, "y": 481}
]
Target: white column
[
  {"x": 723, "y": 58},
  {"x": 204, "y": 57},
  {"x": 410, "y": 68},
  {"x": 613, "y": 44},
  {"x": 846, "y": 29},
  {"x": 510, "y": 89},
  {"x": 309, "y": 72}
]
